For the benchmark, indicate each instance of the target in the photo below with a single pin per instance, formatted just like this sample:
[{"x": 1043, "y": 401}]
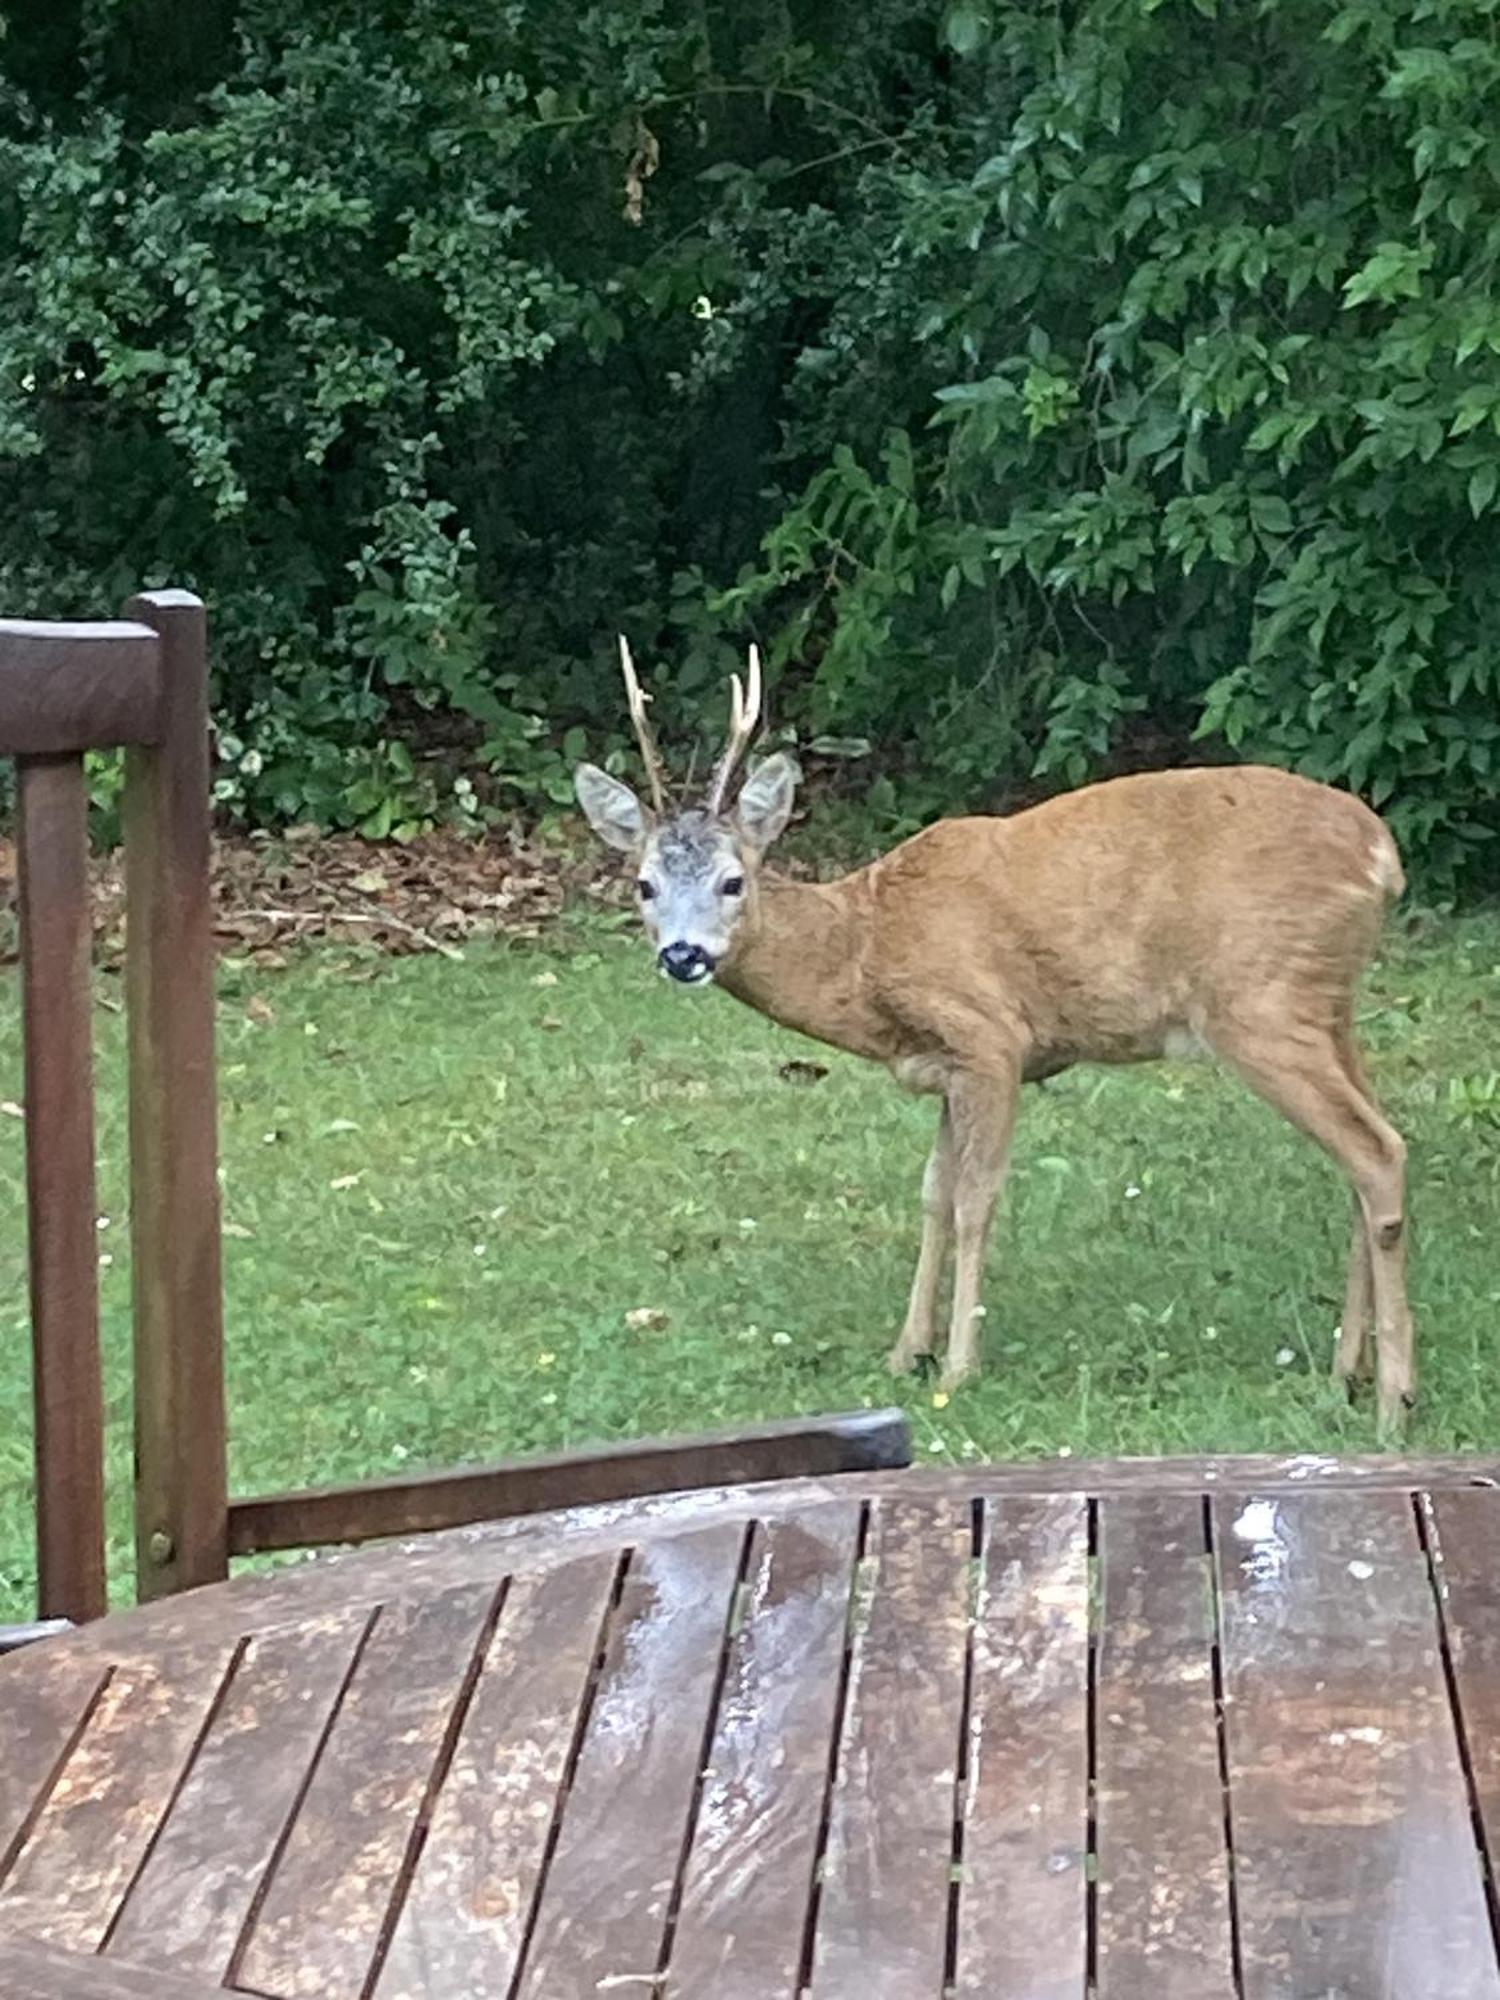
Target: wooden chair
[{"x": 142, "y": 683}]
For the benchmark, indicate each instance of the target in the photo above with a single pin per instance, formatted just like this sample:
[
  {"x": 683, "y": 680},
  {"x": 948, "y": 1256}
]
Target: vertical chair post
[
  {"x": 181, "y": 1495},
  {"x": 56, "y": 940}
]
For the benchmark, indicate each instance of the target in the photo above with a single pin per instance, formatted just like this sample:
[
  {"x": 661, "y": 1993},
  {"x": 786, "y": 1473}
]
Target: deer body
[{"x": 1231, "y": 910}]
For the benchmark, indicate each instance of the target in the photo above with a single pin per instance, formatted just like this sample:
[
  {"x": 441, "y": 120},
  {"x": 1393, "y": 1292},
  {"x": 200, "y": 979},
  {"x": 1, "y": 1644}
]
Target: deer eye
[
  {"x": 645, "y": 890},
  {"x": 734, "y": 885}
]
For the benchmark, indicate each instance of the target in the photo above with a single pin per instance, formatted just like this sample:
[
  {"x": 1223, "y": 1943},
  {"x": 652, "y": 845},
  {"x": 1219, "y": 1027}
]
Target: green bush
[{"x": 1045, "y": 389}]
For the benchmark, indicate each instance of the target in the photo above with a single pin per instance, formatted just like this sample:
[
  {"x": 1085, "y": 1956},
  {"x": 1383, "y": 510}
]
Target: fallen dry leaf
[
  {"x": 259, "y": 1010},
  {"x": 800, "y": 1071},
  {"x": 648, "y": 1319}
]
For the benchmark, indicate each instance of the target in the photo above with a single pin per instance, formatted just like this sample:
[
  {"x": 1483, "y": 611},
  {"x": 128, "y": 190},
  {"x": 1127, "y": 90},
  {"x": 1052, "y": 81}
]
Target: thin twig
[{"x": 347, "y": 917}]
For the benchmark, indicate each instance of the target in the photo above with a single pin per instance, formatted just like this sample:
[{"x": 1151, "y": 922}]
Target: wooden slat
[
  {"x": 603, "y": 1910},
  {"x": 1355, "y": 1860},
  {"x": 750, "y": 1874},
  {"x": 1261, "y": 1473},
  {"x": 69, "y": 688},
  {"x": 1164, "y": 1928},
  {"x": 181, "y": 1489},
  {"x": 191, "y": 1901},
  {"x": 1466, "y": 1536},
  {"x": 94, "y": 1831},
  {"x": 866, "y": 1440},
  {"x": 1022, "y": 1930},
  {"x": 883, "y": 1915},
  {"x": 44, "y": 1702},
  {"x": 37, "y": 1972},
  {"x": 465, "y": 1919},
  {"x": 319, "y": 1928},
  {"x": 56, "y": 943},
  {"x": 439, "y": 1560}
]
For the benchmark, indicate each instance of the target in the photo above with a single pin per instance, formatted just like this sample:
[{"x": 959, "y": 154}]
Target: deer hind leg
[
  {"x": 1310, "y": 1079},
  {"x": 920, "y": 1330},
  {"x": 983, "y": 1110},
  {"x": 1352, "y": 1360}
]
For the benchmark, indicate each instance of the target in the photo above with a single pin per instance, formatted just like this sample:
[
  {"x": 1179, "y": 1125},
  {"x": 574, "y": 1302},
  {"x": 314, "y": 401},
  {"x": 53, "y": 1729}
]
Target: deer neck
[{"x": 800, "y": 960}]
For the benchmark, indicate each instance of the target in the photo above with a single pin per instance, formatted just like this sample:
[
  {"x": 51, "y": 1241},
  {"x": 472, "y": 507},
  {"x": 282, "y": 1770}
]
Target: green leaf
[
  {"x": 1482, "y": 483},
  {"x": 966, "y": 27},
  {"x": 1270, "y": 512}
]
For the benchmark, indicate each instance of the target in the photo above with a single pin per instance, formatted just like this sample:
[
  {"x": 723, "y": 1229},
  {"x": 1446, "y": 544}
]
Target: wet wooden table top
[{"x": 1201, "y": 1730}]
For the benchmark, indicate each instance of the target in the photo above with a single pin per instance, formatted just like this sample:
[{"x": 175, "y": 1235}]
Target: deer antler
[
  {"x": 744, "y": 717},
  {"x": 637, "y": 697}
]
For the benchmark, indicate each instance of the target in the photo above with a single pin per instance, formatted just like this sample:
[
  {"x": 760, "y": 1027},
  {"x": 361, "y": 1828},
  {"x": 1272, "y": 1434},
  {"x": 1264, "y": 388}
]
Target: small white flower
[
  {"x": 1284, "y": 1357},
  {"x": 1132, "y": 1192},
  {"x": 781, "y": 1340}
]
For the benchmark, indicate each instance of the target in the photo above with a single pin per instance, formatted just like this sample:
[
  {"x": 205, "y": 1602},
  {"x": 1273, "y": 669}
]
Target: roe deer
[{"x": 1231, "y": 910}]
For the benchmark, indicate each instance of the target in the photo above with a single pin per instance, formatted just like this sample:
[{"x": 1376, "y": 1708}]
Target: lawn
[{"x": 448, "y": 1186}]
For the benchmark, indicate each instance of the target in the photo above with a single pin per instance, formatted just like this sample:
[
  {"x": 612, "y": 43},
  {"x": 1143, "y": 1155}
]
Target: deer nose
[{"x": 687, "y": 962}]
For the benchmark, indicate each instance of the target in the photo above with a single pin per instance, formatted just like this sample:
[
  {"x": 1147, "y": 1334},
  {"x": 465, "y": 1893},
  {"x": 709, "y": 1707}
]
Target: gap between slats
[
  {"x": 417, "y": 1838},
  {"x": 570, "y": 1768},
  {"x": 1432, "y": 1552},
  {"x": 1091, "y": 1754},
  {"x": 39, "y": 1804},
  {"x": 978, "y": 1528},
  {"x": 215, "y": 1709},
  {"x": 859, "y": 1610},
  {"x": 753, "y": 1532},
  {"x": 263, "y": 1887},
  {"x": 1221, "y": 1725}
]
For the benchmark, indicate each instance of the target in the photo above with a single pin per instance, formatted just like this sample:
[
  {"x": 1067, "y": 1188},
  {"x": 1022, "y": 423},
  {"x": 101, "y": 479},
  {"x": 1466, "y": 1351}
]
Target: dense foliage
[{"x": 1044, "y": 385}]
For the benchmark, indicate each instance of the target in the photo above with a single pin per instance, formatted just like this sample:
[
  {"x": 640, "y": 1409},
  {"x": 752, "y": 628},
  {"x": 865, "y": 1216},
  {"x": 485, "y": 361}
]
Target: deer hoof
[
  {"x": 956, "y": 1374},
  {"x": 904, "y": 1360}
]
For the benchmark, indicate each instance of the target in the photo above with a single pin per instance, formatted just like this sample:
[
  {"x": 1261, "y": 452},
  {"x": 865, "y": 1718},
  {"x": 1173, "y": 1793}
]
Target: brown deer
[{"x": 1226, "y": 910}]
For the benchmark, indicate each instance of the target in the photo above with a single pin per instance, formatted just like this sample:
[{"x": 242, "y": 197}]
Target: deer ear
[
  {"x": 612, "y": 809},
  {"x": 765, "y": 802}
]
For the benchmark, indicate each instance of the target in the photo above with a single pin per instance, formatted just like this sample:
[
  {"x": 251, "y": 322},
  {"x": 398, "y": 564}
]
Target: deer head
[{"x": 696, "y": 866}]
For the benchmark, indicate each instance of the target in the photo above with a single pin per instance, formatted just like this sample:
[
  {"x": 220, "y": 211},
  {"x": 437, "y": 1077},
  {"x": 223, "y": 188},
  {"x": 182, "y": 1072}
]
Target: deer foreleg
[
  {"x": 983, "y": 1113},
  {"x": 920, "y": 1330}
]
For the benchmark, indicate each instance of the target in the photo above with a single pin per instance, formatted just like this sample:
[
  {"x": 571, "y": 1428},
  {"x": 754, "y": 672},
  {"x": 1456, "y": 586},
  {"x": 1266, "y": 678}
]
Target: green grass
[{"x": 446, "y": 1186}]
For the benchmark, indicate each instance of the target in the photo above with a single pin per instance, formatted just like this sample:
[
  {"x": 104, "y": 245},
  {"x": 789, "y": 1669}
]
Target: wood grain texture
[
  {"x": 464, "y": 1923},
  {"x": 602, "y": 1915},
  {"x": 181, "y": 1480},
  {"x": 418, "y": 1503},
  {"x": 57, "y": 1006},
  {"x": 1356, "y": 1865},
  {"x": 319, "y": 1928},
  {"x": 883, "y": 1915},
  {"x": 1164, "y": 1920},
  {"x": 43, "y": 1704},
  {"x": 68, "y": 688},
  {"x": 1465, "y": 1537},
  {"x": 192, "y": 1899},
  {"x": 749, "y": 1878},
  {"x": 1022, "y": 1932},
  {"x": 36, "y": 1972},
  {"x": 97, "y": 1824}
]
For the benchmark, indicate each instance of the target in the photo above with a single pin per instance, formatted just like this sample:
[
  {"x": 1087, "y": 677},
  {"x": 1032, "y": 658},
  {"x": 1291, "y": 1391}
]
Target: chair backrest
[{"x": 66, "y": 689}]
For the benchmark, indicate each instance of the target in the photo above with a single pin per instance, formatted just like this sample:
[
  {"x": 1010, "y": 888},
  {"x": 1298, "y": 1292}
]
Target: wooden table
[{"x": 1180, "y": 1731}]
